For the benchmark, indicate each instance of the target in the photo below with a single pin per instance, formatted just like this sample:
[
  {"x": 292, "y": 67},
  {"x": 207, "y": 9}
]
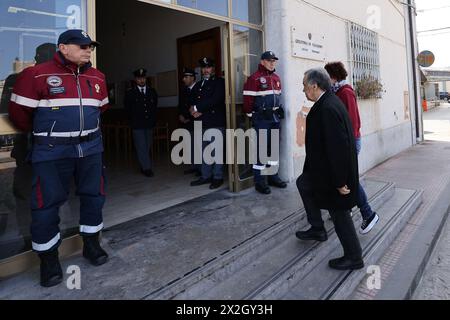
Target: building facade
[{"x": 373, "y": 38}]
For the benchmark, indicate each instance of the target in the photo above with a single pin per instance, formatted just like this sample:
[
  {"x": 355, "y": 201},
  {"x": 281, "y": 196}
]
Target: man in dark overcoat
[{"x": 330, "y": 174}]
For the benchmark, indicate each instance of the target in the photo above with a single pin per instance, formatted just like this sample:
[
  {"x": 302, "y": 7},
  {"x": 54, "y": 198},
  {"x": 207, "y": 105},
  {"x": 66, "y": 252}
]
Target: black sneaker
[{"x": 368, "y": 224}]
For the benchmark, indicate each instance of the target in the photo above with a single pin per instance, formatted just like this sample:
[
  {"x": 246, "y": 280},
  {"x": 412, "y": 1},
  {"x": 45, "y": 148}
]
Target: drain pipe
[{"x": 418, "y": 114}]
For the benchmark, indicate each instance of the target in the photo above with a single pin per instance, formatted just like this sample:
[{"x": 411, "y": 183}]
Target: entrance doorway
[
  {"x": 161, "y": 38},
  {"x": 163, "y": 41}
]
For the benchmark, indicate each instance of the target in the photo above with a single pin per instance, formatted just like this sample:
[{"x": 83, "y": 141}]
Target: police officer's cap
[
  {"x": 189, "y": 72},
  {"x": 206, "y": 62},
  {"x": 269, "y": 55},
  {"x": 76, "y": 36},
  {"x": 140, "y": 73}
]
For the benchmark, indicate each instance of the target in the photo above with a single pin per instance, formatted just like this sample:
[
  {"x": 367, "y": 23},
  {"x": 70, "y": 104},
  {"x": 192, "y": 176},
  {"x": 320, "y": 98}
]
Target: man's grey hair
[{"x": 320, "y": 77}]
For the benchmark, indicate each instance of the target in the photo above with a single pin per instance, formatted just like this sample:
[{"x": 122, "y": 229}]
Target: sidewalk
[{"x": 426, "y": 167}]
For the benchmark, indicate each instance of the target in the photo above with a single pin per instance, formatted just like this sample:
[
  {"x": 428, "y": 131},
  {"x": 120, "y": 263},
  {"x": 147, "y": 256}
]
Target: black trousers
[{"x": 342, "y": 219}]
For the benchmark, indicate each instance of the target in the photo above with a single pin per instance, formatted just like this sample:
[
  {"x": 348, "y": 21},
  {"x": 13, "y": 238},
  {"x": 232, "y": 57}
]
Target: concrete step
[
  {"x": 326, "y": 283},
  {"x": 299, "y": 270},
  {"x": 219, "y": 270}
]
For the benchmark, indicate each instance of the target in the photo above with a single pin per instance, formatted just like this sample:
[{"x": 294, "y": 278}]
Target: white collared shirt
[
  {"x": 321, "y": 95},
  {"x": 142, "y": 88}
]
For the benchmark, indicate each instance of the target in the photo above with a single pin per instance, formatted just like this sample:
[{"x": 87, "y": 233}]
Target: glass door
[{"x": 246, "y": 46}]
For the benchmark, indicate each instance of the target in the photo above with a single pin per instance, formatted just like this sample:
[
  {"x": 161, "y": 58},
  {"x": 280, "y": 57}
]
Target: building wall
[
  {"x": 386, "y": 123},
  {"x": 431, "y": 90}
]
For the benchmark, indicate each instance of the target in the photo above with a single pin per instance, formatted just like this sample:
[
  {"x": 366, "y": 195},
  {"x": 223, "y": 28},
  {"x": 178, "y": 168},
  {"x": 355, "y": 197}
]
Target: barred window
[{"x": 364, "y": 53}]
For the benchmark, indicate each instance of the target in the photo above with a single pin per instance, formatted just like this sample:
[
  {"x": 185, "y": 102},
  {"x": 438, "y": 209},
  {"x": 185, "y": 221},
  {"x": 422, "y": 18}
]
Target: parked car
[{"x": 444, "y": 96}]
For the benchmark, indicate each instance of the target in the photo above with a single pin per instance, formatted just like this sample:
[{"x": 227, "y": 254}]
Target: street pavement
[{"x": 435, "y": 282}]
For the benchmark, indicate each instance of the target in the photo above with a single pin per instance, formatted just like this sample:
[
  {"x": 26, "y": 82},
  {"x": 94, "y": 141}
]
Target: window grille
[{"x": 364, "y": 53}]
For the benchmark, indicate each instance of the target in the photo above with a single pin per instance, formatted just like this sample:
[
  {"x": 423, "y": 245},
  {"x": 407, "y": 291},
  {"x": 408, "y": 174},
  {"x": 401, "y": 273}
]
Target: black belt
[{"x": 66, "y": 140}]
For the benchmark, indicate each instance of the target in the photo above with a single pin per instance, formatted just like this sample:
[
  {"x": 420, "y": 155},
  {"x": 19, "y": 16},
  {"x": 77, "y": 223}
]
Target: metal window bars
[{"x": 364, "y": 53}]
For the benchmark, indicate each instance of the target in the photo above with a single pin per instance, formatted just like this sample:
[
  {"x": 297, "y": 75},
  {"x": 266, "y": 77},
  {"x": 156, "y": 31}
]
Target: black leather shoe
[
  {"x": 51, "y": 272},
  {"x": 344, "y": 263},
  {"x": 262, "y": 188},
  {"x": 148, "y": 173},
  {"x": 216, "y": 183},
  {"x": 312, "y": 234},
  {"x": 93, "y": 251},
  {"x": 277, "y": 182},
  {"x": 200, "y": 182}
]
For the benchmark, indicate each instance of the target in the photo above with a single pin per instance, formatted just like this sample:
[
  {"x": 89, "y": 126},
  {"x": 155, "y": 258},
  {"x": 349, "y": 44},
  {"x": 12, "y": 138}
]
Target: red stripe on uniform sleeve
[{"x": 39, "y": 197}]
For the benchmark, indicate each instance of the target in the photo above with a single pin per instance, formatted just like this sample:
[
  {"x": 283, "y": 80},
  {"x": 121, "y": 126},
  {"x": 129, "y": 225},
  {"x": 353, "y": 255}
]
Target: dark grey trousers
[{"x": 342, "y": 219}]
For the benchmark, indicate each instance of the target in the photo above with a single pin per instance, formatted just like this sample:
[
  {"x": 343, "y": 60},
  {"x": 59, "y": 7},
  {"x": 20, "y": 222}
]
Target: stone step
[
  {"x": 326, "y": 283},
  {"x": 299, "y": 270},
  {"x": 196, "y": 283}
]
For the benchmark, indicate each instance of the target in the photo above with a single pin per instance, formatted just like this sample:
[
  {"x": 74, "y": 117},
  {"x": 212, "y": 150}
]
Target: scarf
[{"x": 338, "y": 85}]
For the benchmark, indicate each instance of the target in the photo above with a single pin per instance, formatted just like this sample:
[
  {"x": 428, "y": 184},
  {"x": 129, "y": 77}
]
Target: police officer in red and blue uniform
[
  {"x": 262, "y": 93},
  {"x": 60, "y": 102}
]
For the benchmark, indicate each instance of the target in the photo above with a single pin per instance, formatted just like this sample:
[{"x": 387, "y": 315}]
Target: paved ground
[
  {"x": 427, "y": 167},
  {"x": 435, "y": 283}
]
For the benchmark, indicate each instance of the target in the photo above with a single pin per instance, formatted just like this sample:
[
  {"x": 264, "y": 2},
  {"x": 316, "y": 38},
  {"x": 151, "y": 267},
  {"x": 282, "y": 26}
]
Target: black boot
[
  {"x": 275, "y": 181},
  {"x": 262, "y": 187},
  {"x": 51, "y": 272},
  {"x": 93, "y": 251}
]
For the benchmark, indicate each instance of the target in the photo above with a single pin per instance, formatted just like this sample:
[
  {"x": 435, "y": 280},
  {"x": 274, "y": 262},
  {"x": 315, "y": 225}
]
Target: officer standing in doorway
[
  {"x": 185, "y": 117},
  {"x": 141, "y": 103},
  {"x": 60, "y": 102},
  {"x": 208, "y": 107},
  {"x": 262, "y": 93}
]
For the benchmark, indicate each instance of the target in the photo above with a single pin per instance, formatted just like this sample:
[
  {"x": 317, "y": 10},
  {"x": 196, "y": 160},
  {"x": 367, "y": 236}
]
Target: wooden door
[{"x": 196, "y": 46}]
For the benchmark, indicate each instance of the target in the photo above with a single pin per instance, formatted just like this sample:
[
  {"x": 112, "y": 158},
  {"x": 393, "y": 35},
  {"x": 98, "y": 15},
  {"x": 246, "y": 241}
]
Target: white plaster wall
[
  {"x": 142, "y": 35},
  {"x": 385, "y": 129}
]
